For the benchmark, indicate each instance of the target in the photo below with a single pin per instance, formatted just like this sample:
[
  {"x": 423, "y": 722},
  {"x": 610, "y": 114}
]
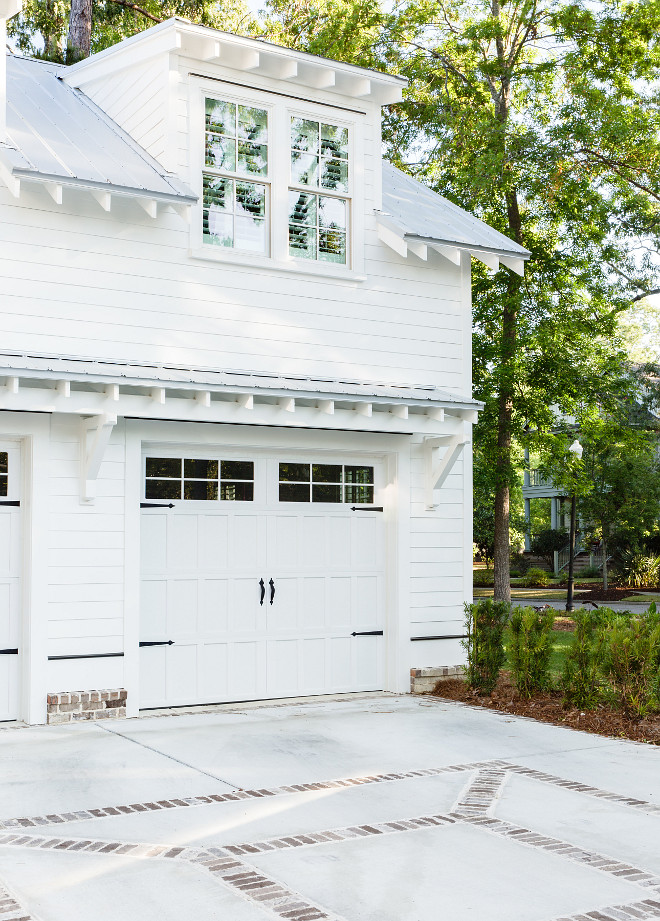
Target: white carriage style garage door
[
  {"x": 262, "y": 577},
  {"x": 10, "y": 581}
]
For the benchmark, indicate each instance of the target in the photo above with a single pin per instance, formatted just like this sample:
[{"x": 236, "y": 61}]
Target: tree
[{"x": 66, "y": 30}]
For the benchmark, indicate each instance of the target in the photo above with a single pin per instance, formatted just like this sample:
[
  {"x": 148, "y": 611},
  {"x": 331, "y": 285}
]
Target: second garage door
[{"x": 261, "y": 578}]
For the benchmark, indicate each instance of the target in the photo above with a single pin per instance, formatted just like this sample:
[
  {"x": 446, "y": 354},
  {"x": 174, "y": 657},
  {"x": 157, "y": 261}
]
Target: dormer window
[
  {"x": 319, "y": 160},
  {"x": 236, "y": 147}
]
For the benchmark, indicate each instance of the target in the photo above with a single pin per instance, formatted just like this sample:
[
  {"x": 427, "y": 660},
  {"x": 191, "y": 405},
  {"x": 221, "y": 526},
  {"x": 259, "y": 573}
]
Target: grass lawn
[
  {"x": 524, "y": 594},
  {"x": 561, "y": 643},
  {"x": 643, "y": 599}
]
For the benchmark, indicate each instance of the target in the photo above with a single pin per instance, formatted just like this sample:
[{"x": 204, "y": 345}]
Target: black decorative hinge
[
  {"x": 156, "y": 505},
  {"x": 366, "y": 508},
  {"x": 8, "y": 652},
  {"x": 368, "y": 633},
  {"x": 14, "y": 502},
  {"x": 156, "y": 642}
]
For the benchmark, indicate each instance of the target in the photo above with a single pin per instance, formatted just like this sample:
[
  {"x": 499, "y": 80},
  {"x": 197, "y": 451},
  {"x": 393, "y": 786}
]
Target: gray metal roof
[
  {"x": 56, "y": 133},
  {"x": 425, "y": 215},
  {"x": 51, "y": 367}
]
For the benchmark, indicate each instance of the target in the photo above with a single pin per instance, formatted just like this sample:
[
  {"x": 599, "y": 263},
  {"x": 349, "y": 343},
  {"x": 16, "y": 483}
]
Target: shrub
[
  {"x": 546, "y": 542},
  {"x": 536, "y": 578},
  {"x": 580, "y": 680},
  {"x": 637, "y": 569},
  {"x": 484, "y": 644},
  {"x": 482, "y": 577},
  {"x": 589, "y": 572},
  {"x": 530, "y": 649},
  {"x": 631, "y": 661},
  {"x": 520, "y": 563}
]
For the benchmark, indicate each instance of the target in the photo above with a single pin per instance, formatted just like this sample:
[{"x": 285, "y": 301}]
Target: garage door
[
  {"x": 10, "y": 565},
  {"x": 261, "y": 578}
]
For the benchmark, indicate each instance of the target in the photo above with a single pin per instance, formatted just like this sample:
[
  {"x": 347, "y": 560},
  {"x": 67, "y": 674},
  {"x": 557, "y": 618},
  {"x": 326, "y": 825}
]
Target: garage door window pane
[
  {"x": 294, "y": 492},
  {"x": 326, "y": 473},
  {"x": 200, "y": 469},
  {"x": 164, "y": 467},
  {"x": 326, "y": 493},
  {"x": 359, "y": 474},
  {"x": 359, "y": 494},
  {"x": 294, "y": 473},
  {"x": 4, "y": 470},
  {"x": 237, "y": 470},
  {"x": 236, "y": 491},
  {"x": 200, "y": 490},
  {"x": 163, "y": 489}
]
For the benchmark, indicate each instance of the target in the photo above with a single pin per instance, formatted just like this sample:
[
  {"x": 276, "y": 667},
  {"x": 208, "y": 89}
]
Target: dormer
[{"x": 281, "y": 148}]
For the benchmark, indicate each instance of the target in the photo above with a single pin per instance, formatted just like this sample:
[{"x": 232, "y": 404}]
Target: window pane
[
  {"x": 359, "y": 494},
  {"x": 200, "y": 469},
  {"x": 334, "y": 175},
  {"x": 250, "y": 199},
  {"x": 4, "y": 462},
  {"x": 237, "y": 492},
  {"x": 326, "y": 493},
  {"x": 302, "y": 208},
  {"x": 334, "y": 141},
  {"x": 164, "y": 466},
  {"x": 220, "y": 152},
  {"x": 221, "y": 117},
  {"x": 294, "y": 493},
  {"x": 250, "y": 235},
  {"x": 359, "y": 474},
  {"x": 218, "y": 194},
  {"x": 294, "y": 473},
  {"x": 253, "y": 124},
  {"x": 163, "y": 489},
  {"x": 217, "y": 221},
  {"x": 237, "y": 470},
  {"x": 302, "y": 241},
  {"x": 252, "y": 158},
  {"x": 304, "y": 168},
  {"x": 326, "y": 473},
  {"x": 305, "y": 134},
  {"x": 200, "y": 489},
  {"x": 332, "y": 246},
  {"x": 218, "y": 228},
  {"x": 332, "y": 213},
  {"x": 3, "y": 484}
]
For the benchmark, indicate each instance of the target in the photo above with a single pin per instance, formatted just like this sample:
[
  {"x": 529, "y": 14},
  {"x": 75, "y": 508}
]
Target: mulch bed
[
  {"x": 548, "y": 708},
  {"x": 590, "y": 592}
]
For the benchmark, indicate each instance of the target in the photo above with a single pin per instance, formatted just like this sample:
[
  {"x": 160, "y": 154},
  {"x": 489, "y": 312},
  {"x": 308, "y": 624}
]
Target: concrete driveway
[{"x": 372, "y": 808}]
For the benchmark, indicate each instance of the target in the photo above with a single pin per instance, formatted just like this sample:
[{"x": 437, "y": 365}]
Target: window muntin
[
  {"x": 199, "y": 479},
  {"x": 333, "y": 483},
  {"x": 319, "y": 160},
  {"x": 236, "y": 145},
  {"x": 4, "y": 473}
]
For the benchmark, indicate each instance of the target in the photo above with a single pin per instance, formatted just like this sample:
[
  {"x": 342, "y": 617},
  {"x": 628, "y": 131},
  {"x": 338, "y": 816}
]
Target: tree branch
[{"x": 137, "y": 9}]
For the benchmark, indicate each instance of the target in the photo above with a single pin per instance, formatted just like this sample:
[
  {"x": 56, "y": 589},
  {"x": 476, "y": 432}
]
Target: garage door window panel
[
  {"x": 199, "y": 479},
  {"x": 326, "y": 483}
]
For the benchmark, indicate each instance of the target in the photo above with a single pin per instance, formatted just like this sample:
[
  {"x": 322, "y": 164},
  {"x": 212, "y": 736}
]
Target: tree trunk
[
  {"x": 80, "y": 31},
  {"x": 604, "y": 542}
]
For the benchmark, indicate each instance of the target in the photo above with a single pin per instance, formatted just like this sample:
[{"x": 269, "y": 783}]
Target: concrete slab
[
  {"x": 456, "y": 872},
  {"x": 610, "y": 828},
  {"x": 278, "y": 816},
  {"x": 80, "y": 887}
]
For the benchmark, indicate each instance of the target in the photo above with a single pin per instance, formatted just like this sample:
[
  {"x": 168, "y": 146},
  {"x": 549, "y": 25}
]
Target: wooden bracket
[
  {"x": 95, "y": 435},
  {"x": 436, "y": 472}
]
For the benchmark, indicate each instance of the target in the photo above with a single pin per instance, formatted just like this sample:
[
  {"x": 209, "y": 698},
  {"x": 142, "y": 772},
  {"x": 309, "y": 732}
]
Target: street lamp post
[{"x": 576, "y": 449}]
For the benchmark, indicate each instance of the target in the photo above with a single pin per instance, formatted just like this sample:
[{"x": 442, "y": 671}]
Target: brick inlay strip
[
  {"x": 587, "y": 789},
  {"x": 593, "y": 859},
  {"x": 630, "y": 912},
  {"x": 41, "y": 821},
  {"x": 481, "y": 794}
]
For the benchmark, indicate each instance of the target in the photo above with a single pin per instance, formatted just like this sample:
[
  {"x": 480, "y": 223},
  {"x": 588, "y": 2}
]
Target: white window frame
[{"x": 278, "y": 181}]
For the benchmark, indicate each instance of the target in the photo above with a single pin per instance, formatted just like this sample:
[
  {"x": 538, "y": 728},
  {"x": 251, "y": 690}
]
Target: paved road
[{"x": 373, "y": 808}]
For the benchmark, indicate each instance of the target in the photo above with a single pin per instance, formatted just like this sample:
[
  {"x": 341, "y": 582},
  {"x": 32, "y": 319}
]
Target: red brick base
[{"x": 70, "y": 706}]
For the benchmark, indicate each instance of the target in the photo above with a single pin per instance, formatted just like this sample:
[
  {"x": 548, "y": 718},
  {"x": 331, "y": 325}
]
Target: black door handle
[
  {"x": 262, "y": 585},
  {"x": 272, "y": 591}
]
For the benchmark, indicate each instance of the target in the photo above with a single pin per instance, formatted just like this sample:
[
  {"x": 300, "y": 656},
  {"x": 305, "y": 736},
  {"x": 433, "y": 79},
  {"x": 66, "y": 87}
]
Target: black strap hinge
[
  {"x": 8, "y": 652},
  {"x": 368, "y": 633},
  {"x": 156, "y": 642},
  {"x": 366, "y": 508},
  {"x": 156, "y": 505}
]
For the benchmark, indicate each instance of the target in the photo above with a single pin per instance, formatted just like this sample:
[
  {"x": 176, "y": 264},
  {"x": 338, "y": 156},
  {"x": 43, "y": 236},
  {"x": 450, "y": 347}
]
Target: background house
[{"x": 235, "y": 382}]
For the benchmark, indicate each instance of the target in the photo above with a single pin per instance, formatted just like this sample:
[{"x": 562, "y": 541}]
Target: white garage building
[{"x": 235, "y": 384}]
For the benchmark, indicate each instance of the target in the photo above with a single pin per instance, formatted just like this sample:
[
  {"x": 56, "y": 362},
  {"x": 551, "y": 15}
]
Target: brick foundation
[
  {"x": 70, "y": 706},
  {"x": 423, "y": 680}
]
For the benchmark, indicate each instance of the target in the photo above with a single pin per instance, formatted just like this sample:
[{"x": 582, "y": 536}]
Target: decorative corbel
[
  {"x": 95, "y": 435},
  {"x": 436, "y": 472}
]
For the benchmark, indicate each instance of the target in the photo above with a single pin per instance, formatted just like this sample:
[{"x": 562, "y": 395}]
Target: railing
[
  {"x": 596, "y": 557},
  {"x": 535, "y": 479},
  {"x": 563, "y": 556}
]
